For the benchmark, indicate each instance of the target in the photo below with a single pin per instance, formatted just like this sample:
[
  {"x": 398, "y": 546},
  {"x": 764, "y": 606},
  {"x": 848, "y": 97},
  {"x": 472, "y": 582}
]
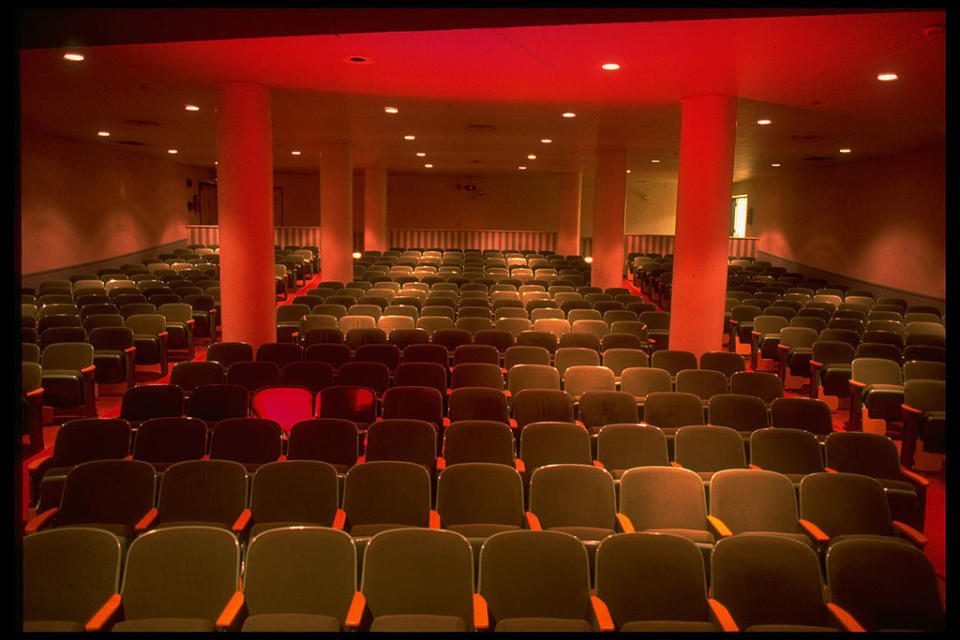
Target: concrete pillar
[
  {"x": 245, "y": 209},
  {"x": 336, "y": 212},
  {"x": 609, "y": 207},
  {"x": 704, "y": 189},
  {"x": 376, "y": 235},
  {"x": 568, "y": 227}
]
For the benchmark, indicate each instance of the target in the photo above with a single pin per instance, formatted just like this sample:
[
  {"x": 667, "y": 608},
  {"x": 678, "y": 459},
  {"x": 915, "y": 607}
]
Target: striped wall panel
[
  {"x": 283, "y": 236},
  {"x": 469, "y": 239},
  {"x": 639, "y": 243}
]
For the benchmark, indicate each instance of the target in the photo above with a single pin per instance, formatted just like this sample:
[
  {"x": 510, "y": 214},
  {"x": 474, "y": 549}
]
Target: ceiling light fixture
[
  {"x": 428, "y": 166},
  {"x": 569, "y": 114},
  {"x": 409, "y": 137},
  {"x": 764, "y": 121},
  {"x": 294, "y": 153},
  {"x": 172, "y": 151},
  {"x": 522, "y": 168},
  {"x": 610, "y": 66},
  {"x": 191, "y": 107},
  {"x": 359, "y": 60},
  {"x": 531, "y": 156},
  {"x": 628, "y": 170},
  {"x": 588, "y": 259},
  {"x": 73, "y": 57},
  {"x": 775, "y": 164},
  {"x": 357, "y": 255},
  {"x": 103, "y": 134},
  {"x": 887, "y": 76},
  {"x": 846, "y": 150},
  {"x": 391, "y": 110},
  {"x": 654, "y": 161},
  {"x": 421, "y": 154},
  {"x": 546, "y": 140}
]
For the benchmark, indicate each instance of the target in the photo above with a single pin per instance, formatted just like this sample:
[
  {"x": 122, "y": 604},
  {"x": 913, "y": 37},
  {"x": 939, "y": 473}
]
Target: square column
[
  {"x": 609, "y": 208},
  {"x": 336, "y": 212},
  {"x": 568, "y": 225},
  {"x": 375, "y": 232}
]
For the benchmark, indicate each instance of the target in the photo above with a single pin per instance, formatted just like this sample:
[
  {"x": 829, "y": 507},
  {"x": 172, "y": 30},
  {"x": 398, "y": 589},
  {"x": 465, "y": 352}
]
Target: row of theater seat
[{"x": 476, "y": 575}]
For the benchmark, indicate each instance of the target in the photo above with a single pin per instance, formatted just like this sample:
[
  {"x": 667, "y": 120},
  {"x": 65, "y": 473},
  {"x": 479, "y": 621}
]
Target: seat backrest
[
  {"x": 705, "y": 383},
  {"x": 870, "y": 454},
  {"x": 578, "y": 379},
  {"x": 845, "y": 503},
  {"x": 213, "y": 402},
  {"x": 543, "y": 443},
  {"x": 514, "y": 566},
  {"x": 573, "y": 495},
  {"x": 599, "y": 408},
  {"x": 295, "y": 491},
  {"x": 331, "y": 440},
  {"x": 249, "y": 440},
  {"x": 476, "y": 374},
  {"x": 808, "y": 414},
  {"x": 477, "y": 403},
  {"x": 537, "y": 405},
  {"x": 566, "y": 357},
  {"x": 622, "y": 446},
  {"x": 402, "y": 439},
  {"x": 170, "y": 439},
  {"x": 867, "y": 578},
  {"x": 254, "y": 375},
  {"x": 709, "y": 448},
  {"x": 419, "y": 571},
  {"x": 146, "y": 401},
  {"x": 387, "y": 491},
  {"x": 190, "y": 373},
  {"x": 661, "y": 497},
  {"x": 754, "y": 500},
  {"x": 486, "y": 441},
  {"x": 743, "y": 567},
  {"x": 67, "y": 355},
  {"x": 876, "y": 371},
  {"x": 738, "y": 411},
  {"x": 925, "y": 395},
  {"x": 85, "y": 439},
  {"x": 209, "y": 491},
  {"x": 671, "y": 586},
  {"x": 671, "y": 409},
  {"x": 673, "y": 360},
  {"x": 525, "y": 355},
  {"x": 107, "y": 491},
  {"x": 68, "y": 573},
  {"x": 226, "y": 353},
  {"x": 786, "y": 450},
  {"x": 180, "y": 572}
]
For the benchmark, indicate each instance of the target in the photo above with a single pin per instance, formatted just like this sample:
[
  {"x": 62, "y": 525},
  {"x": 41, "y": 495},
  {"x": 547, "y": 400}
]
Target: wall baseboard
[
  {"x": 63, "y": 273},
  {"x": 911, "y": 297}
]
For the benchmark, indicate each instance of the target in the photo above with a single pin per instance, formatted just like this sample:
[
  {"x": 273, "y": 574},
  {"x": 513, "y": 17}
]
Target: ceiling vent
[
  {"x": 132, "y": 143},
  {"x": 817, "y": 158}
]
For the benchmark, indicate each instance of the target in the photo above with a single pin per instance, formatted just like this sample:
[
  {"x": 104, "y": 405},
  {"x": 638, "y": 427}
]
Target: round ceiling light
[
  {"x": 73, "y": 57},
  {"x": 610, "y": 66}
]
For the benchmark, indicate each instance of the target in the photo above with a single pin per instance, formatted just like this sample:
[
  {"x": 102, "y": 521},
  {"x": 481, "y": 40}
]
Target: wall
[
  {"x": 879, "y": 220},
  {"x": 651, "y": 207},
  {"x": 84, "y": 202}
]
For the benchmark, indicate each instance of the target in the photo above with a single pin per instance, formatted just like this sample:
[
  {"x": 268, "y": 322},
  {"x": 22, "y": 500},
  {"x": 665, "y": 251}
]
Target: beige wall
[
  {"x": 83, "y": 202},
  {"x": 651, "y": 207},
  {"x": 879, "y": 220}
]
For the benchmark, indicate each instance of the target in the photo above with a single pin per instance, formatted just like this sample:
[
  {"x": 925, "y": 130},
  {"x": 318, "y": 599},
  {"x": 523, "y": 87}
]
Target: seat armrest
[
  {"x": 512, "y": 423},
  {"x": 519, "y": 465},
  {"x": 719, "y": 526},
  {"x": 721, "y": 616},
  {"x": 598, "y": 464},
  {"x": 675, "y": 464},
  {"x": 146, "y": 521},
  {"x": 243, "y": 521},
  {"x": 907, "y": 409},
  {"x": 41, "y": 520},
  {"x": 103, "y": 619},
  {"x": 813, "y": 531},
  {"x": 434, "y": 519},
  {"x": 626, "y": 525},
  {"x": 355, "y": 614},
  {"x": 339, "y": 519},
  {"x": 481, "y": 615},
  {"x": 847, "y": 621},
  {"x": 231, "y": 615},
  {"x": 910, "y": 534},
  {"x": 533, "y": 522},
  {"x": 601, "y": 614},
  {"x": 441, "y": 463},
  {"x": 754, "y": 466},
  {"x": 914, "y": 477}
]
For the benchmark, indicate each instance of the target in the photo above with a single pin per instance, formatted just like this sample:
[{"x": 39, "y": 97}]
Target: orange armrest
[
  {"x": 481, "y": 617},
  {"x": 40, "y": 520},
  {"x": 434, "y": 521},
  {"x": 281, "y": 458},
  {"x": 37, "y": 463},
  {"x": 847, "y": 621},
  {"x": 719, "y": 526},
  {"x": 103, "y": 616},
  {"x": 339, "y": 519},
  {"x": 908, "y": 409},
  {"x": 191, "y": 322},
  {"x": 355, "y": 612},
  {"x": 783, "y": 347},
  {"x": 146, "y": 520},
  {"x": 722, "y": 615},
  {"x": 676, "y": 464},
  {"x": 910, "y": 533},
  {"x": 88, "y": 370},
  {"x": 519, "y": 465},
  {"x": 735, "y": 322},
  {"x": 914, "y": 477},
  {"x": 857, "y": 384},
  {"x": 130, "y": 351},
  {"x": 598, "y": 464},
  {"x": 163, "y": 335},
  {"x": 512, "y": 423},
  {"x": 441, "y": 463},
  {"x": 243, "y": 521},
  {"x": 830, "y": 470},
  {"x": 361, "y": 459},
  {"x": 228, "y": 616},
  {"x": 36, "y": 393},
  {"x": 753, "y": 466},
  {"x": 625, "y": 523},
  {"x": 813, "y": 531},
  {"x": 533, "y": 522},
  {"x": 602, "y": 614},
  {"x": 815, "y": 364},
  {"x": 506, "y": 392},
  {"x": 446, "y": 422},
  {"x": 755, "y": 334}
]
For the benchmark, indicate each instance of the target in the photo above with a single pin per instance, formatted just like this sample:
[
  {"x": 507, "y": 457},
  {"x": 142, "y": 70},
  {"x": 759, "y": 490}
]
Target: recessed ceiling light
[
  {"x": 421, "y": 154},
  {"x": 294, "y": 153},
  {"x": 359, "y": 60},
  {"x": 73, "y": 57},
  {"x": 391, "y": 110},
  {"x": 775, "y": 164},
  {"x": 103, "y": 134},
  {"x": 357, "y": 255},
  {"x": 546, "y": 140},
  {"x": 428, "y": 166},
  {"x": 654, "y": 161},
  {"x": 764, "y": 121},
  {"x": 588, "y": 259},
  {"x": 191, "y": 107},
  {"x": 172, "y": 151},
  {"x": 532, "y": 156},
  {"x": 845, "y": 150},
  {"x": 628, "y": 170},
  {"x": 610, "y": 66},
  {"x": 569, "y": 114},
  {"x": 409, "y": 137},
  {"x": 522, "y": 168},
  {"x": 887, "y": 76}
]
